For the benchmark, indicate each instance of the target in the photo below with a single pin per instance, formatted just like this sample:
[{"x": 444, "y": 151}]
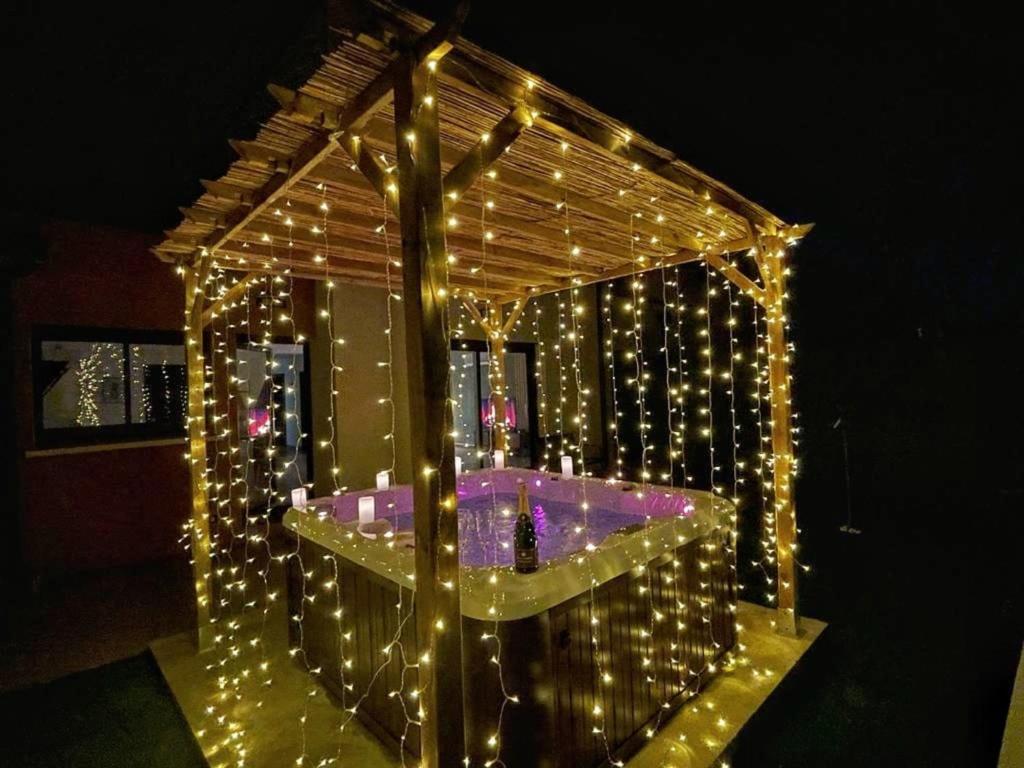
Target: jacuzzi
[{"x": 650, "y": 564}]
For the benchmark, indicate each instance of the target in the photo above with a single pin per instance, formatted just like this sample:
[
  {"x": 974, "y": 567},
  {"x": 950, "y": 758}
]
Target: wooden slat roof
[{"x": 608, "y": 175}]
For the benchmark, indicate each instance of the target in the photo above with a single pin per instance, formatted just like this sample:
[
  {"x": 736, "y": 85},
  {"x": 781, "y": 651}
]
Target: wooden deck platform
[{"x": 696, "y": 737}]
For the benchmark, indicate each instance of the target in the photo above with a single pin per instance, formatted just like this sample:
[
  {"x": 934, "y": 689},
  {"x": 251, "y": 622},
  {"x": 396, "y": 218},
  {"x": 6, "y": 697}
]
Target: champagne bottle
[{"x": 527, "y": 560}]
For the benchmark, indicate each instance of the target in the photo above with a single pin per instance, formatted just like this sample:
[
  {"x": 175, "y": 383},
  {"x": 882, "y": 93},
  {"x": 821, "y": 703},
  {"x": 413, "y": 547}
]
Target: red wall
[
  {"x": 112, "y": 507},
  {"x": 91, "y": 510}
]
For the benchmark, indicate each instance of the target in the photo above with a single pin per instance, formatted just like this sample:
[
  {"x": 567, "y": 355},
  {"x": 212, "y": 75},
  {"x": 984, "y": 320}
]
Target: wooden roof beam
[
  {"x": 311, "y": 110},
  {"x": 570, "y": 123},
  {"x": 500, "y": 279},
  {"x": 484, "y": 153},
  {"x": 737, "y": 278},
  {"x": 306, "y": 215},
  {"x": 232, "y": 294},
  {"x": 431, "y": 46},
  {"x": 540, "y": 189},
  {"x": 679, "y": 257}
]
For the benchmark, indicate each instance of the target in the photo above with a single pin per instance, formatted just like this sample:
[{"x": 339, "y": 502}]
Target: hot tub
[{"x": 651, "y": 566}]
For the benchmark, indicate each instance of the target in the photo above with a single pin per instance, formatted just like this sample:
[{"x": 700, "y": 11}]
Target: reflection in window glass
[
  {"x": 159, "y": 393},
  {"x": 467, "y": 407},
  {"x": 83, "y": 384}
]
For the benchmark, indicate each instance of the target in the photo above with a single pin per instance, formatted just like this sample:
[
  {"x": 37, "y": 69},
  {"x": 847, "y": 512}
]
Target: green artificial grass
[{"x": 121, "y": 714}]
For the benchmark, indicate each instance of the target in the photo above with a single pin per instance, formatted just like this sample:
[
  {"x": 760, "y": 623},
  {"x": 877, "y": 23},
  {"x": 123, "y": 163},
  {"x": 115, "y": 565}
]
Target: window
[
  {"x": 96, "y": 385},
  {"x": 473, "y": 407}
]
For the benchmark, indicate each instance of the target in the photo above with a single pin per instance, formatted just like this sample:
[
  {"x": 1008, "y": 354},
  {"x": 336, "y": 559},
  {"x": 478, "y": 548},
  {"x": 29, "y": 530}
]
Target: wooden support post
[
  {"x": 199, "y": 524},
  {"x": 771, "y": 257},
  {"x": 425, "y": 284}
]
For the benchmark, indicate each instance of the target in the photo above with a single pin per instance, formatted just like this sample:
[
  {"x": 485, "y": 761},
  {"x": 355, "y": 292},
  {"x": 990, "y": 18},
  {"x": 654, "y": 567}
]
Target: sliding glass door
[{"x": 473, "y": 404}]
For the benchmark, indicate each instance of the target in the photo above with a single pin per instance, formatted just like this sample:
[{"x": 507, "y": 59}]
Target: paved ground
[
  {"x": 72, "y": 623},
  {"x": 905, "y": 674},
  {"x": 119, "y": 715}
]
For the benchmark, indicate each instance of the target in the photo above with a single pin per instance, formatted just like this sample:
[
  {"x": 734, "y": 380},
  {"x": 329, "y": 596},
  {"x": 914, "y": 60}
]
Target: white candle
[
  {"x": 499, "y": 459},
  {"x": 567, "y": 466},
  {"x": 366, "y": 508},
  {"x": 383, "y": 480},
  {"x": 299, "y": 497},
  {"x": 458, "y": 465}
]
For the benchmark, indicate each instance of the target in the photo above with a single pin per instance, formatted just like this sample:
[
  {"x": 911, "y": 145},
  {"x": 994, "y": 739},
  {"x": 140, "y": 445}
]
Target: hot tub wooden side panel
[
  {"x": 371, "y": 618},
  {"x": 548, "y": 660},
  {"x": 630, "y": 704}
]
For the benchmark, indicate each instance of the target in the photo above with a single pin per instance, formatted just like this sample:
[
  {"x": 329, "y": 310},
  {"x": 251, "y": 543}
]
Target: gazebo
[{"x": 407, "y": 118}]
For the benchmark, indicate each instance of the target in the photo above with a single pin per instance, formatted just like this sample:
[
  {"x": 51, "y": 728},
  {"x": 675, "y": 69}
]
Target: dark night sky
[{"x": 885, "y": 124}]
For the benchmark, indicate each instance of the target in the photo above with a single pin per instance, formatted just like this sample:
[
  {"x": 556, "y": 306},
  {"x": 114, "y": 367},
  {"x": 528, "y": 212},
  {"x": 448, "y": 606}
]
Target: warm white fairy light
[
  {"x": 330, "y": 442},
  {"x": 732, "y": 545},
  {"x": 540, "y": 375},
  {"x": 600, "y": 721},
  {"x": 609, "y": 353},
  {"x": 683, "y": 376},
  {"x": 560, "y": 333},
  {"x": 767, "y": 561}
]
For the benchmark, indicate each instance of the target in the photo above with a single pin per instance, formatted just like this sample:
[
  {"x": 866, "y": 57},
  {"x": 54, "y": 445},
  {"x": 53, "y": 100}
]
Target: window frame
[
  {"x": 527, "y": 348},
  {"x": 69, "y": 437}
]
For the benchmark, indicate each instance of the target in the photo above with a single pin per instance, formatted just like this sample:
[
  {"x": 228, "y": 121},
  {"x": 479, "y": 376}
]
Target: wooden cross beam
[
  {"x": 486, "y": 151},
  {"x": 232, "y": 294},
  {"x": 576, "y": 125},
  {"x": 313, "y": 111},
  {"x": 462, "y": 175},
  {"x": 737, "y": 278},
  {"x": 497, "y": 333},
  {"x": 362, "y": 107}
]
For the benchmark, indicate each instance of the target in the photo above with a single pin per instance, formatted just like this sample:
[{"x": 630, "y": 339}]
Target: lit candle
[
  {"x": 567, "y": 466},
  {"x": 499, "y": 459},
  {"x": 458, "y": 465},
  {"x": 366, "y": 508},
  {"x": 383, "y": 480},
  {"x": 299, "y": 497}
]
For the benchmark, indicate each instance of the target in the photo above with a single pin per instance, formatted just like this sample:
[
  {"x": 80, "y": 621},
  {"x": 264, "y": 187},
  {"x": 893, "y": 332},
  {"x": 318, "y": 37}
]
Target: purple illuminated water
[{"x": 485, "y": 530}]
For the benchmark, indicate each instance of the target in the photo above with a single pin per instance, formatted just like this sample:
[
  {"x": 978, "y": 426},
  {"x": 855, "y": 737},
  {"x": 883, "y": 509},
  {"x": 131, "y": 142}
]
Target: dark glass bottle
[{"x": 527, "y": 559}]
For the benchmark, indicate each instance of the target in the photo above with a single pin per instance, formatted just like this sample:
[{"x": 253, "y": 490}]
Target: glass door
[{"x": 473, "y": 406}]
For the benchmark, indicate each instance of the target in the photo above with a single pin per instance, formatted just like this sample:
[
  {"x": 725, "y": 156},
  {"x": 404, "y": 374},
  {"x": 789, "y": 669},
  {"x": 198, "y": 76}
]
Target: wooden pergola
[{"x": 409, "y": 115}]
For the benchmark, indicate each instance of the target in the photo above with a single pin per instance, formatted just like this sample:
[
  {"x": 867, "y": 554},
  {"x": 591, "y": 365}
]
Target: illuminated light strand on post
[
  {"x": 334, "y": 341},
  {"x": 666, "y": 351},
  {"x": 287, "y": 318},
  {"x": 560, "y": 408},
  {"x": 253, "y": 534},
  {"x": 540, "y": 375},
  {"x": 767, "y": 539},
  {"x": 705, "y": 559},
  {"x": 683, "y": 385},
  {"x": 601, "y": 674},
  {"x": 333, "y": 585},
  {"x": 394, "y": 645},
  {"x": 637, "y": 287},
  {"x": 609, "y": 354},
  {"x": 732, "y": 547}
]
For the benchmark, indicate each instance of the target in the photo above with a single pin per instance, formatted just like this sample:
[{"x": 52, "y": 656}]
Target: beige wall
[{"x": 360, "y": 317}]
